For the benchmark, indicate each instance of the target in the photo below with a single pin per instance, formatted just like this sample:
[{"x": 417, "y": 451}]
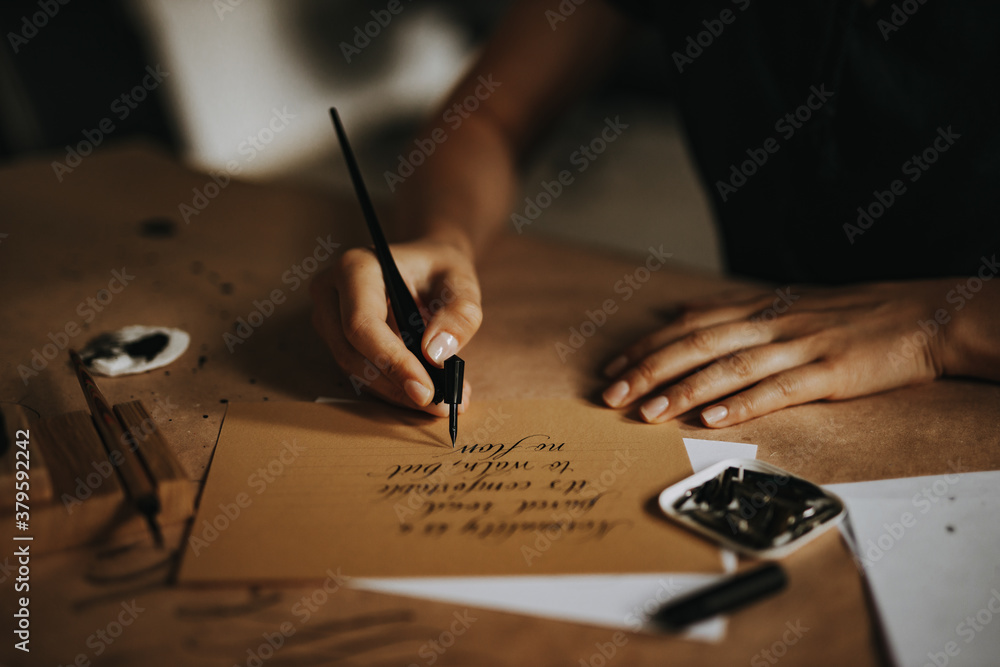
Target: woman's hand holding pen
[
  {"x": 351, "y": 314},
  {"x": 742, "y": 356}
]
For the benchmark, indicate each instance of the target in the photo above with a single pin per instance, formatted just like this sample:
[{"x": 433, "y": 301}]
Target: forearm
[
  {"x": 462, "y": 193},
  {"x": 525, "y": 77}
]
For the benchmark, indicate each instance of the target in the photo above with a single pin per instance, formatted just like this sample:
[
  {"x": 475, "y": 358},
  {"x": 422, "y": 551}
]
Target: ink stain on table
[
  {"x": 950, "y": 529},
  {"x": 226, "y": 288},
  {"x": 148, "y": 347},
  {"x": 158, "y": 228},
  {"x": 201, "y": 361},
  {"x": 134, "y": 349}
]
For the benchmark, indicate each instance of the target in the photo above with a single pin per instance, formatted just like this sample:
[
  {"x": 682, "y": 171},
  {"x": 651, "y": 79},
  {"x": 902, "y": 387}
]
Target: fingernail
[
  {"x": 441, "y": 347},
  {"x": 714, "y": 414},
  {"x": 616, "y": 366},
  {"x": 654, "y": 408},
  {"x": 615, "y": 394},
  {"x": 417, "y": 392}
]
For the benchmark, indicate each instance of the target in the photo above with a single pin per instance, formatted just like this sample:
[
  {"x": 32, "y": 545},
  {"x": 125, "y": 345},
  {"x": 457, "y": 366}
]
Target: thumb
[{"x": 456, "y": 313}]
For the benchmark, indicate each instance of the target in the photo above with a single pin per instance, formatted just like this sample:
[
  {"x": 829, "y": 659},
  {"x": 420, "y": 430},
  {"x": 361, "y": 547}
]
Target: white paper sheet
[
  {"x": 703, "y": 453},
  {"x": 930, "y": 548}
]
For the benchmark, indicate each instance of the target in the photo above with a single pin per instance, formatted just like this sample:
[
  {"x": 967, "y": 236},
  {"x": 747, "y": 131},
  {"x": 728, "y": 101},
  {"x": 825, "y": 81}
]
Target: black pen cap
[{"x": 724, "y": 596}]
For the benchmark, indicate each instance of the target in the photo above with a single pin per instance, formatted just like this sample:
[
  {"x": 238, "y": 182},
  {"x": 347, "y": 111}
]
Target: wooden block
[
  {"x": 175, "y": 491},
  {"x": 87, "y": 500}
]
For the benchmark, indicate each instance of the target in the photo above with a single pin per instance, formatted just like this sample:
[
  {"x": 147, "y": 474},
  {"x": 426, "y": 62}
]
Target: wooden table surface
[{"x": 114, "y": 213}]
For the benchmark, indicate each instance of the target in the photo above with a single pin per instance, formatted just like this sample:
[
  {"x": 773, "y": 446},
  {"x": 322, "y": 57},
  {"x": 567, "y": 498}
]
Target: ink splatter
[
  {"x": 226, "y": 288},
  {"x": 950, "y": 529},
  {"x": 134, "y": 349},
  {"x": 201, "y": 361},
  {"x": 148, "y": 347}
]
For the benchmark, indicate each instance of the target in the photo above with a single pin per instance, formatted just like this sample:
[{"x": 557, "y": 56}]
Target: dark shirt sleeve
[
  {"x": 840, "y": 141},
  {"x": 635, "y": 9}
]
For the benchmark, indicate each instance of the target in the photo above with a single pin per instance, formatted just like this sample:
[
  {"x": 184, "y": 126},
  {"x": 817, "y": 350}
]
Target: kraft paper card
[{"x": 298, "y": 490}]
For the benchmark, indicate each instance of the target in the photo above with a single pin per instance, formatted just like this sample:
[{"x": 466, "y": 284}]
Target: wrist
[
  {"x": 453, "y": 236},
  {"x": 970, "y": 347}
]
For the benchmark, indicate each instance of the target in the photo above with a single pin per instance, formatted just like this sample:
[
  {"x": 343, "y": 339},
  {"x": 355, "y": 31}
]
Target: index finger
[{"x": 364, "y": 311}]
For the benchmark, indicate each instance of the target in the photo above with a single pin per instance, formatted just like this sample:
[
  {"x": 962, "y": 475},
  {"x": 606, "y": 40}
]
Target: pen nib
[{"x": 453, "y": 423}]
